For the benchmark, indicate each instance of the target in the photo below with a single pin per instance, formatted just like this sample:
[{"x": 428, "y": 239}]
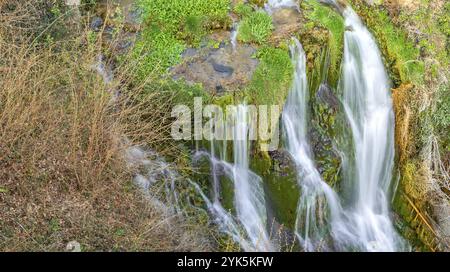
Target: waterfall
[
  {"x": 363, "y": 223},
  {"x": 233, "y": 36},
  {"x": 274, "y": 4},
  {"x": 311, "y": 223},
  {"x": 248, "y": 191},
  {"x": 368, "y": 108}
]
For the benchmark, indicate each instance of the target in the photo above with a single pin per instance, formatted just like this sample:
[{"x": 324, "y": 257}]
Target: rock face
[
  {"x": 286, "y": 22},
  {"x": 218, "y": 69},
  {"x": 326, "y": 95}
]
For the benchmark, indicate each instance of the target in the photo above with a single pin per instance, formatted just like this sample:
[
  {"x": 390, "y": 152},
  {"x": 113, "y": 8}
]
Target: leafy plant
[
  {"x": 255, "y": 27},
  {"x": 170, "y": 26},
  {"x": 272, "y": 79},
  {"x": 242, "y": 9}
]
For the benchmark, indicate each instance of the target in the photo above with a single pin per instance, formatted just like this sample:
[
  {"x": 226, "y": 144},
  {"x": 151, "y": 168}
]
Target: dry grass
[{"x": 62, "y": 173}]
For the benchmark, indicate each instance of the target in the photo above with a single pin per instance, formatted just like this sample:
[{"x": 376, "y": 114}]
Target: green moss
[
  {"x": 224, "y": 100},
  {"x": 258, "y": 3},
  {"x": 319, "y": 15},
  {"x": 255, "y": 27},
  {"x": 441, "y": 117},
  {"x": 170, "y": 26},
  {"x": 281, "y": 189},
  {"x": 242, "y": 10},
  {"x": 156, "y": 51},
  {"x": 400, "y": 52},
  {"x": 272, "y": 79},
  {"x": 171, "y": 15}
]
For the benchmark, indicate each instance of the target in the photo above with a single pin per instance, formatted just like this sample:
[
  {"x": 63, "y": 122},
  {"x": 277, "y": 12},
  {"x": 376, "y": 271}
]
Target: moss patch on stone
[
  {"x": 319, "y": 17},
  {"x": 273, "y": 77},
  {"x": 170, "y": 26},
  {"x": 255, "y": 27}
]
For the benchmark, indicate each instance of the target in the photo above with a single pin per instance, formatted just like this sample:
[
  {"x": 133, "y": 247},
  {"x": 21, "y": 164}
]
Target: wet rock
[
  {"x": 96, "y": 23},
  {"x": 325, "y": 95},
  {"x": 219, "y": 89},
  {"x": 189, "y": 52},
  {"x": 282, "y": 162},
  {"x": 286, "y": 22},
  {"x": 218, "y": 69},
  {"x": 222, "y": 68}
]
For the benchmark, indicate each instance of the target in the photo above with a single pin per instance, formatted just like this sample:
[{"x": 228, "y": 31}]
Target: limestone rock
[
  {"x": 286, "y": 22},
  {"x": 218, "y": 69}
]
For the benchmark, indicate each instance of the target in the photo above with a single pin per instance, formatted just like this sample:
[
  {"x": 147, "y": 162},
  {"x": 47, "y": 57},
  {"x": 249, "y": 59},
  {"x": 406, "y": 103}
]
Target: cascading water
[
  {"x": 311, "y": 223},
  {"x": 274, "y": 4},
  {"x": 368, "y": 108},
  {"x": 364, "y": 223},
  {"x": 248, "y": 191},
  {"x": 233, "y": 36}
]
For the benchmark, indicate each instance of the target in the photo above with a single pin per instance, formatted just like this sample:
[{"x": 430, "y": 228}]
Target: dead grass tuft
[{"x": 62, "y": 171}]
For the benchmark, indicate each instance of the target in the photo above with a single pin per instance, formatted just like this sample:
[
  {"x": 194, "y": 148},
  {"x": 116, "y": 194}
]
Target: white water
[
  {"x": 364, "y": 223},
  {"x": 312, "y": 211},
  {"x": 274, "y": 4},
  {"x": 368, "y": 108},
  {"x": 249, "y": 199},
  {"x": 234, "y": 34}
]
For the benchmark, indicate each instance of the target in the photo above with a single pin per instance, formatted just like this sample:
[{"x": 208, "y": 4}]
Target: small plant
[
  {"x": 272, "y": 78},
  {"x": 256, "y": 27},
  {"x": 171, "y": 26},
  {"x": 243, "y": 10}
]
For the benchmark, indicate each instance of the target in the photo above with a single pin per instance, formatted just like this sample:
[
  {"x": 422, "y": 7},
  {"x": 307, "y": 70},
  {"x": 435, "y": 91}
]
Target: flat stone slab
[
  {"x": 218, "y": 69},
  {"x": 286, "y": 22}
]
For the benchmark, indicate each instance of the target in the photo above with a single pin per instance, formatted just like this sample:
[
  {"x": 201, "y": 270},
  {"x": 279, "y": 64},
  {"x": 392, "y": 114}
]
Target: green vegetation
[
  {"x": 317, "y": 14},
  {"x": 255, "y": 27},
  {"x": 414, "y": 42},
  {"x": 156, "y": 51},
  {"x": 441, "y": 118},
  {"x": 172, "y": 25},
  {"x": 242, "y": 9},
  {"x": 402, "y": 56},
  {"x": 173, "y": 15},
  {"x": 63, "y": 175},
  {"x": 272, "y": 79}
]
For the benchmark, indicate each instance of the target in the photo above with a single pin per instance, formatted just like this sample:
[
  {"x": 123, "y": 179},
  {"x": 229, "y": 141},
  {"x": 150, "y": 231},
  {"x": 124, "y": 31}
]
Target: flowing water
[
  {"x": 274, "y": 4},
  {"x": 368, "y": 108},
  {"x": 357, "y": 218},
  {"x": 249, "y": 199},
  {"x": 316, "y": 195},
  {"x": 363, "y": 223},
  {"x": 233, "y": 36}
]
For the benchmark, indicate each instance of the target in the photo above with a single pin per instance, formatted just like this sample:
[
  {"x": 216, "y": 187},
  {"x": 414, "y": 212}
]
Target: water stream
[
  {"x": 357, "y": 218},
  {"x": 364, "y": 223},
  {"x": 249, "y": 201},
  {"x": 368, "y": 108},
  {"x": 316, "y": 195}
]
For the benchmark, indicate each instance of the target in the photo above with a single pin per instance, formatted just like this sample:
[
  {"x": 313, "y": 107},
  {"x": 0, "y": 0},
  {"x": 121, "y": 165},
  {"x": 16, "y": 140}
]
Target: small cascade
[
  {"x": 249, "y": 198},
  {"x": 363, "y": 223},
  {"x": 316, "y": 195},
  {"x": 233, "y": 36},
  {"x": 275, "y": 4},
  {"x": 369, "y": 111}
]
